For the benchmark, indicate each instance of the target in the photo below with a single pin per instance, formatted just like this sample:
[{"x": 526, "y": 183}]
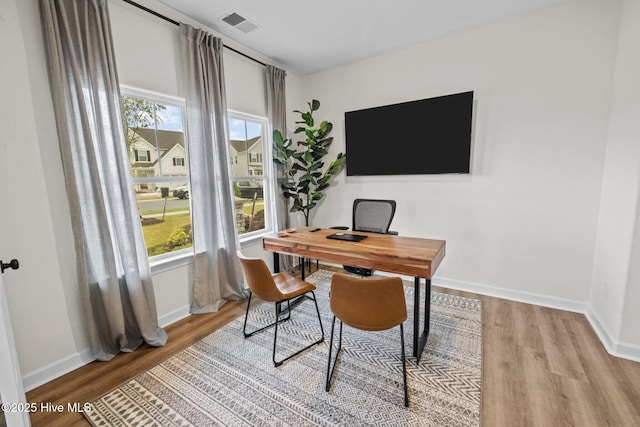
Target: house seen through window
[
  {"x": 247, "y": 144},
  {"x": 157, "y": 152}
]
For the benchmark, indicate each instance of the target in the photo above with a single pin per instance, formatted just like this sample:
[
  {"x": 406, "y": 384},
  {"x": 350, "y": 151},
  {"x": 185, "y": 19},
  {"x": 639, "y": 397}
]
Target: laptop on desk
[{"x": 347, "y": 237}]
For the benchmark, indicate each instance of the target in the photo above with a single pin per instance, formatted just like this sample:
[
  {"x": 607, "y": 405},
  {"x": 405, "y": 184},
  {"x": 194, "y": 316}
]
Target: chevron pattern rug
[{"x": 226, "y": 380}]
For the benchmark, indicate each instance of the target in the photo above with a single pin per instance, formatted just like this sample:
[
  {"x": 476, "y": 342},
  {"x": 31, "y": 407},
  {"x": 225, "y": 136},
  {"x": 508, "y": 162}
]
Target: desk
[{"x": 394, "y": 254}]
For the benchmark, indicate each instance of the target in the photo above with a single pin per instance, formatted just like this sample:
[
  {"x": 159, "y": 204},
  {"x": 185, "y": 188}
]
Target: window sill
[
  {"x": 253, "y": 238},
  {"x": 184, "y": 257},
  {"x": 171, "y": 261}
]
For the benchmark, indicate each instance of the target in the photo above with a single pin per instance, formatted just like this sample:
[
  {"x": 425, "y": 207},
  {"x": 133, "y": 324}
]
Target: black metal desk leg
[
  {"x": 276, "y": 262},
  {"x": 416, "y": 315},
  {"x": 427, "y": 308},
  {"x": 420, "y": 337}
]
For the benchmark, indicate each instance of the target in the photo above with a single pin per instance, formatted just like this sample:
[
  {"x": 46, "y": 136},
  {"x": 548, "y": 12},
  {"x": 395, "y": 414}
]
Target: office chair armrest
[
  {"x": 340, "y": 227},
  {"x": 395, "y": 233}
]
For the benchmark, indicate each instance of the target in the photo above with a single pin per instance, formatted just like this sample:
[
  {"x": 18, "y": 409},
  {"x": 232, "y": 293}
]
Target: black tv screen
[{"x": 429, "y": 136}]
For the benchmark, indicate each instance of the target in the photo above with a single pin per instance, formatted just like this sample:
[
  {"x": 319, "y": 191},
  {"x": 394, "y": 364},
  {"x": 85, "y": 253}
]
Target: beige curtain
[
  {"x": 217, "y": 272},
  {"x": 113, "y": 266},
  {"x": 277, "y": 113}
]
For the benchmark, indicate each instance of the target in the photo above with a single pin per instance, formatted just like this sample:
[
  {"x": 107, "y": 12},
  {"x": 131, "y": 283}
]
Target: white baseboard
[
  {"x": 613, "y": 347},
  {"x": 512, "y": 295},
  {"x": 628, "y": 351},
  {"x": 65, "y": 365},
  {"x": 56, "y": 369},
  {"x": 173, "y": 316}
]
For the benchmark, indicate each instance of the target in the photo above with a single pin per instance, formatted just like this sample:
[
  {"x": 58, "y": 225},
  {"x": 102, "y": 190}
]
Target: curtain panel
[
  {"x": 217, "y": 273},
  {"x": 112, "y": 262},
  {"x": 277, "y": 114}
]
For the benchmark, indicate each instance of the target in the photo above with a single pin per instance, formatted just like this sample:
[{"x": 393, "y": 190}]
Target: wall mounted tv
[{"x": 429, "y": 136}]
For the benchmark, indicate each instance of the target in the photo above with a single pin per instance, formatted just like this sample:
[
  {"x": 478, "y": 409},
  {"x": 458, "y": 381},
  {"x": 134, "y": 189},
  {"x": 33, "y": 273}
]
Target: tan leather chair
[
  {"x": 367, "y": 304},
  {"x": 276, "y": 288}
]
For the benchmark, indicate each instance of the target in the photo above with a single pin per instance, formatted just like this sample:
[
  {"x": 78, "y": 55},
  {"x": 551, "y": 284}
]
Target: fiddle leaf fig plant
[{"x": 303, "y": 179}]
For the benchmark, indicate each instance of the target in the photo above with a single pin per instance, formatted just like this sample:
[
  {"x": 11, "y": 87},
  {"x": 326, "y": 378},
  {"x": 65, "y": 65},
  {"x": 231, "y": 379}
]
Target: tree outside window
[{"x": 157, "y": 152}]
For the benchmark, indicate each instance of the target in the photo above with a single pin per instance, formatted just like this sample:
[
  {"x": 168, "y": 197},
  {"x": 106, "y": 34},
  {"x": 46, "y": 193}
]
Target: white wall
[
  {"x": 36, "y": 229},
  {"x": 616, "y": 273},
  {"x": 525, "y": 219}
]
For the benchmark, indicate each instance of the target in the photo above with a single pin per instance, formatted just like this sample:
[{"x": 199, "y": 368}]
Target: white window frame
[
  {"x": 173, "y": 259},
  {"x": 267, "y": 176}
]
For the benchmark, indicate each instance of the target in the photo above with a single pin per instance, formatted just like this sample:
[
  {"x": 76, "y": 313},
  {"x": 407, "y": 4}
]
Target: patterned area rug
[{"x": 227, "y": 380}]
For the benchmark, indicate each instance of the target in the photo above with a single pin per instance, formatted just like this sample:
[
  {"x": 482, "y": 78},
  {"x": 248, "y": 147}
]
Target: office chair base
[{"x": 357, "y": 270}]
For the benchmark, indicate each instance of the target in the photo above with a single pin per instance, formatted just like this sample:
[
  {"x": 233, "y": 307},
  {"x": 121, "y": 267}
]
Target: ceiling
[{"x": 306, "y": 37}]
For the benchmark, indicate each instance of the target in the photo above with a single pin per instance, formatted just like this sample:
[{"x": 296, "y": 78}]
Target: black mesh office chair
[{"x": 373, "y": 216}]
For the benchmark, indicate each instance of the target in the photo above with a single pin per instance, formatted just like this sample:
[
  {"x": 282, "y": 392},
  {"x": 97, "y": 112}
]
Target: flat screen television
[{"x": 429, "y": 136}]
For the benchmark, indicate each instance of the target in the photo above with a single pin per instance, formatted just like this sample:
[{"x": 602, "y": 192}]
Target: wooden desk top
[{"x": 395, "y": 254}]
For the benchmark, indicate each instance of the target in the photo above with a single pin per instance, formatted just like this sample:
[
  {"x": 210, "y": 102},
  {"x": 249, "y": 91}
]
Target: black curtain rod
[{"x": 176, "y": 23}]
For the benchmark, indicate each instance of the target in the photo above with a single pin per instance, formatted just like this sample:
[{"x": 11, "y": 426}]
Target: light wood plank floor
[{"x": 541, "y": 367}]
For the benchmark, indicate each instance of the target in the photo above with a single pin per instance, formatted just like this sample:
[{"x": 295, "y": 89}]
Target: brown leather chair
[
  {"x": 276, "y": 288},
  {"x": 368, "y": 304}
]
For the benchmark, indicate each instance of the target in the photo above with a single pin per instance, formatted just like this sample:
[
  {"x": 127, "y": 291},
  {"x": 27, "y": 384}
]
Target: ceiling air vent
[{"x": 239, "y": 22}]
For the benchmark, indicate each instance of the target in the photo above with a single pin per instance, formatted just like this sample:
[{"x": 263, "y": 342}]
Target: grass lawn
[
  {"x": 157, "y": 232},
  {"x": 246, "y": 207}
]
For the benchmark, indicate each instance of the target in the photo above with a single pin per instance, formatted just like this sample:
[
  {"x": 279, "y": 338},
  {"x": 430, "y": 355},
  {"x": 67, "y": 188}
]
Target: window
[
  {"x": 143, "y": 155},
  {"x": 255, "y": 158},
  {"x": 157, "y": 151},
  {"x": 247, "y": 146}
]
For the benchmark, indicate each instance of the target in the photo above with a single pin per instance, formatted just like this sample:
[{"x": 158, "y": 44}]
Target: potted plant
[{"x": 303, "y": 179}]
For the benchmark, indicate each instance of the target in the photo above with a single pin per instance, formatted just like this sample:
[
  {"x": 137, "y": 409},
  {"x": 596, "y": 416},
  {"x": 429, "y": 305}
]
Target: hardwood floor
[{"x": 541, "y": 367}]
